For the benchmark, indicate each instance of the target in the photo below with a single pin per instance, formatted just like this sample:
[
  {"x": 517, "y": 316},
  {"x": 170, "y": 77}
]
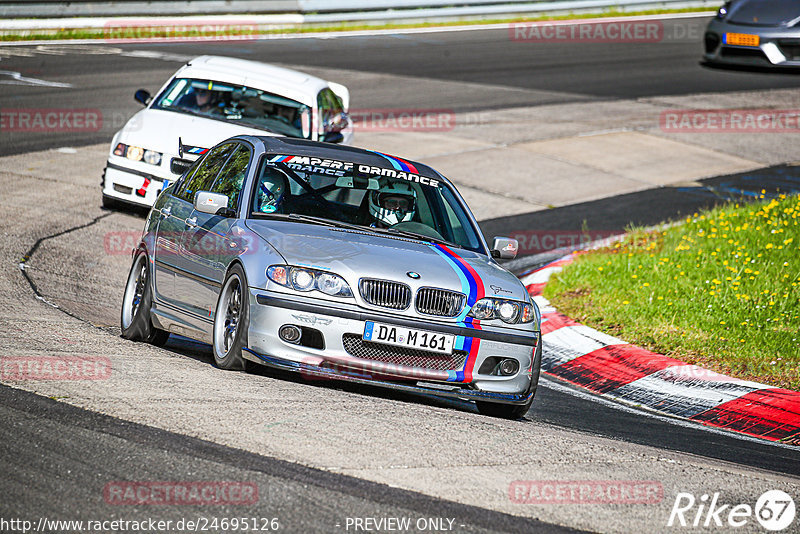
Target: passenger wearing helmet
[
  {"x": 272, "y": 188},
  {"x": 394, "y": 203}
]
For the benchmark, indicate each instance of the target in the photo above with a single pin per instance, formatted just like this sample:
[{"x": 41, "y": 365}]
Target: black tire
[
  {"x": 111, "y": 203},
  {"x": 135, "y": 313},
  {"x": 231, "y": 321},
  {"x": 515, "y": 411}
]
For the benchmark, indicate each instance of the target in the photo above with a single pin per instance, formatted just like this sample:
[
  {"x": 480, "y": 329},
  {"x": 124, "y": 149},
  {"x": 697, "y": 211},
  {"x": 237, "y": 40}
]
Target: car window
[
  {"x": 367, "y": 196},
  {"x": 203, "y": 176},
  {"x": 331, "y": 112},
  {"x": 231, "y": 103},
  {"x": 230, "y": 179}
]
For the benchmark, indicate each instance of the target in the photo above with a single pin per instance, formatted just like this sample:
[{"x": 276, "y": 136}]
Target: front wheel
[
  {"x": 231, "y": 321},
  {"x": 135, "y": 314}
]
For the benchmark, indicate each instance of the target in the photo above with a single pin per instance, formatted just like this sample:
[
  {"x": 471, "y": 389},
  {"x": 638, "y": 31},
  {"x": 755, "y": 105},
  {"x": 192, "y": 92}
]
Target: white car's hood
[{"x": 159, "y": 130}]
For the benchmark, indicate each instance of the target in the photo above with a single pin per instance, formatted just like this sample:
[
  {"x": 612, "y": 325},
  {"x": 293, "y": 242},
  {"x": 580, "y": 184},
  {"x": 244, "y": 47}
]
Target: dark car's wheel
[
  {"x": 231, "y": 321},
  {"x": 515, "y": 411},
  {"x": 136, "y": 303}
]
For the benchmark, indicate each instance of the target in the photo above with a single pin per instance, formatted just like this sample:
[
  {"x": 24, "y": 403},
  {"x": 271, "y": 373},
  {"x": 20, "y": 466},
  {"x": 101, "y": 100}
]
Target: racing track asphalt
[
  {"x": 91, "y": 449},
  {"x": 484, "y": 70}
]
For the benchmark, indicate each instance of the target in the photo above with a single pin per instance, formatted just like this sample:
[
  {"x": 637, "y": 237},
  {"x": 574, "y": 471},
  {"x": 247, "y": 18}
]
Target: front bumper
[
  {"x": 778, "y": 47},
  {"x": 139, "y": 183},
  {"x": 345, "y": 356}
]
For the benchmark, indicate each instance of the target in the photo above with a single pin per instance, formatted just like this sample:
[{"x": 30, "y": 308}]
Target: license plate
[
  {"x": 408, "y": 337},
  {"x": 742, "y": 39}
]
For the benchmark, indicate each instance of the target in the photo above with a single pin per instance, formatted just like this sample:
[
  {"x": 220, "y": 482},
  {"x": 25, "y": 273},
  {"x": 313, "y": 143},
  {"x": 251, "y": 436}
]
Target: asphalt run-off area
[{"x": 548, "y": 140}]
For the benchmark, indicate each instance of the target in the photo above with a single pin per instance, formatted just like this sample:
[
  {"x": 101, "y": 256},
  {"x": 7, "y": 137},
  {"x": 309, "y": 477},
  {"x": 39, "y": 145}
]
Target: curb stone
[{"x": 617, "y": 370}]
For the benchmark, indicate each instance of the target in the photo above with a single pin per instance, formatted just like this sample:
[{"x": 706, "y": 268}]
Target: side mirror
[
  {"x": 213, "y": 203},
  {"x": 142, "y": 96},
  {"x": 333, "y": 137},
  {"x": 505, "y": 248}
]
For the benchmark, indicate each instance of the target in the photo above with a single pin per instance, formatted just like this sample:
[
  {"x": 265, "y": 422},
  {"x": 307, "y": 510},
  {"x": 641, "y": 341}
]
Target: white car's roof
[{"x": 296, "y": 85}]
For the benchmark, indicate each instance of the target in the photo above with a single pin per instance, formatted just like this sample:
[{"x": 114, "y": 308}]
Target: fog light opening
[
  {"x": 508, "y": 367},
  {"x": 290, "y": 333}
]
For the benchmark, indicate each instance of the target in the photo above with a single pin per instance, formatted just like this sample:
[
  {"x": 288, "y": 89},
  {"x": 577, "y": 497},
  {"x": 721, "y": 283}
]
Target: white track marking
[{"x": 18, "y": 79}]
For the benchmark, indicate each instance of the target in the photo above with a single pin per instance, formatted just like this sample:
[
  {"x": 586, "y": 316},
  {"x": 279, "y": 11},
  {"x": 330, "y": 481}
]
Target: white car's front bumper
[{"x": 136, "y": 182}]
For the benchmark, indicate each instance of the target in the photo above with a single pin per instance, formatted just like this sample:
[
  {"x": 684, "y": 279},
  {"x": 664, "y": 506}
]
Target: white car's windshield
[
  {"x": 371, "y": 198},
  {"x": 234, "y": 103}
]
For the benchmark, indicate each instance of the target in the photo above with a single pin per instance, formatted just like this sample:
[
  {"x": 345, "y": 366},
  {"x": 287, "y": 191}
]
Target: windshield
[
  {"x": 362, "y": 197},
  {"x": 235, "y": 103}
]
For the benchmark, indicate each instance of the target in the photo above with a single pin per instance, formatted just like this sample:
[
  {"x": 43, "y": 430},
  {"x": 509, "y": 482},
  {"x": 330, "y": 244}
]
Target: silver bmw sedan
[{"x": 337, "y": 263}]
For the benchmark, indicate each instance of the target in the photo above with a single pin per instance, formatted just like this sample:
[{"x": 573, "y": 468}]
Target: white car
[{"x": 210, "y": 99}]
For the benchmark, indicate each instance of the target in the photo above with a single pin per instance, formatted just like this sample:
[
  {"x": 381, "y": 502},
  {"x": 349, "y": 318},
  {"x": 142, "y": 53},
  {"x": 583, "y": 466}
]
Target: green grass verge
[
  {"x": 171, "y": 33},
  {"x": 720, "y": 290}
]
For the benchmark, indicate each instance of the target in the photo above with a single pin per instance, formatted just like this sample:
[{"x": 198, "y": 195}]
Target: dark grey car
[
  {"x": 339, "y": 263},
  {"x": 759, "y": 33}
]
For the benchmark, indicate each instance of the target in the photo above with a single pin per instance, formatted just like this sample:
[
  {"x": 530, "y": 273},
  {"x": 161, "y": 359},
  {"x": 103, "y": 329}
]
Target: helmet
[
  {"x": 272, "y": 187},
  {"x": 393, "y": 203}
]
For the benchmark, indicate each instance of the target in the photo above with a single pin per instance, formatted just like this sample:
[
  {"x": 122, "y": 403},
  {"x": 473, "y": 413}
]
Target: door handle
[
  {"x": 165, "y": 212},
  {"x": 191, "y": 222}
]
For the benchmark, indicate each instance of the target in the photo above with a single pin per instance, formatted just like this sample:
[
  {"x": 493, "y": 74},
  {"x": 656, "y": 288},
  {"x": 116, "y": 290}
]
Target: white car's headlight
[
  {"x": 508, "y": 311},
  {"x": 137, "y": 153},
  {"x": 303, "y": 279}
]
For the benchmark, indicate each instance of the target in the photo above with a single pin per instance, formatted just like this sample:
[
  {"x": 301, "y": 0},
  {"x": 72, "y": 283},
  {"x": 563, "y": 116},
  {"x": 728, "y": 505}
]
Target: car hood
[
  {"x": 355, "y": 255},
  {"x": 764, "y": 13},
  {"x": 159, "y": 130}
]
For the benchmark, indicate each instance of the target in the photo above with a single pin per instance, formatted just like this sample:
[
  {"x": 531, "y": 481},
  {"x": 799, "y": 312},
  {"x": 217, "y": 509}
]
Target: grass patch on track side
[{"x": 720, "y": 290}]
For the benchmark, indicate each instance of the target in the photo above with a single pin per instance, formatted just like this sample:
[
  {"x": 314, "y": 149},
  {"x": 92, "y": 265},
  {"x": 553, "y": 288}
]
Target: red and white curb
[{"x": 617, "y": 370}]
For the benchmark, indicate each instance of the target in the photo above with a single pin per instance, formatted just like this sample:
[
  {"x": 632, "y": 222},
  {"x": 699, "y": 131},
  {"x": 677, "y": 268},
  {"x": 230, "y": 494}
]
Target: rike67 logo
[{"x": 774, "y": 510}]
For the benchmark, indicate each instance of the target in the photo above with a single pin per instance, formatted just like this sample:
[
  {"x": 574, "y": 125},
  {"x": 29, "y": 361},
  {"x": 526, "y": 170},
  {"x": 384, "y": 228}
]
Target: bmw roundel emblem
[{"x": 412, "y": 274}]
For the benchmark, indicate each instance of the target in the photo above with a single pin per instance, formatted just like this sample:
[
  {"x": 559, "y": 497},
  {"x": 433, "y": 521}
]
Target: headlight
[
  {"x": 330, "y": 284},
  {"x": 723, "y": 11},
  {"x": 302, "y": 279},
  {"x": 136, "y": 153},
  {"x": 152, "y": 157},
  {"x": 509, "y": 311},
  {"x": 483, "y": 309}
]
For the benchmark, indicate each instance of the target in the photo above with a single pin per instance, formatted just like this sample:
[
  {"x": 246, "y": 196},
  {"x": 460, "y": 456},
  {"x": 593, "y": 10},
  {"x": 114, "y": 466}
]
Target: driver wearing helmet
[
  {"x": 392, "y": 204},
  {"x": 272, "y": 188}
]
